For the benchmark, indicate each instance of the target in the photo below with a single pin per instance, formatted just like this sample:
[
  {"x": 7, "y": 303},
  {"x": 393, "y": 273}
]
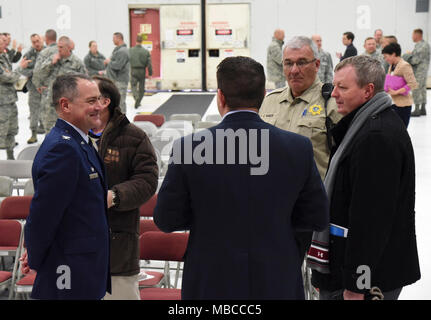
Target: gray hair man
[
  {"x": 371, "y": 187},
  {"x": 300, "y": 107}
]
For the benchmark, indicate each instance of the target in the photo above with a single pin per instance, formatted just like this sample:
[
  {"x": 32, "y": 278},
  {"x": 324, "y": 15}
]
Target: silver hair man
[{"x": 299, "y": 42}]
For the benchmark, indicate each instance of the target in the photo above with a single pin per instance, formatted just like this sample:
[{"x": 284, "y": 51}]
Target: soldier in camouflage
[
  {"x": 140, "y": 60},
  {"x": 8, "y": 98},
  {"x": 63, "y": 62},
  {"x": 118, "y": 68},
  {"x": 41, "y": 79},
  {"x": 420, "y": 61},
  {"x": 274, "y": 60},
  {"x": 34, "y": 96},
  {"x": 326, "y": 69},
  {"x": 371, "y": 51},
  {"x": 14, "y": 54}
]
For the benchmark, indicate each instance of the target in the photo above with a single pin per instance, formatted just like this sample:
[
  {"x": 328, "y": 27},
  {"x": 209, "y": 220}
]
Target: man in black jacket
[
  {"x": 371, "y": 186},
  {"x": 351, "y": 51}
]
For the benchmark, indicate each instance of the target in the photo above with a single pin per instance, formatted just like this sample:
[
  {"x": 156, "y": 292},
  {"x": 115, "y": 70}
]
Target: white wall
[{"x": 99, "y": 19}]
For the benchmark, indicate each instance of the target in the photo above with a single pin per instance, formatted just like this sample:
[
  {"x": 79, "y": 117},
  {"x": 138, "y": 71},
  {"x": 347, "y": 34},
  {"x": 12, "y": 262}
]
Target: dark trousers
[
  {"x": 404, "y": 113},
  {"x": 338, "y": 295},
  {"x": 137, "y": 83}
]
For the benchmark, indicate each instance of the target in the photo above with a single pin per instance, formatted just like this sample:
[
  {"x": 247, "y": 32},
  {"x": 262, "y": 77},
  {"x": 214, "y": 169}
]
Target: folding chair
[
  {"x": 6, "y": 187},
  {"x": 186, "y": 127},
  {"x": 157, "y": 119},
  {"x": 193, "y": 117},
  {"x": 28, "y": 153},
  {"x": 29, "y": 188},
  {"x": 16, "y": 169},
  {"x": 147, "y": 209},
  {"x": 11, "y": 237},
  {"x": 15, "y": 207},
  {"x": 148, "y": 127},
  {"x": 205, "y": 124},
  {"x": 213, "y": 118},
  {"x": 165, "y": 247}
]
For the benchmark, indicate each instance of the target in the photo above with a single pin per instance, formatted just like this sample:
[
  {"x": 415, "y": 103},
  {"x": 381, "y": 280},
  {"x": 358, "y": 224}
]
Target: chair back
[
  {"x": 147, "y": 225},
  {"x": 6, "y": 186},
  {"x": 10, "y": 233},
  {"x": 15, "y": 207},
  {"x": 147, "y": 126},
  {"x": 157, "y": 119},
  {"x": 28, "y": 153},
  {"x": 16, "y": 169},
  {"x": 213, "y": 118},
  {"x": 147, "y": 209},
  {"x": 183, "y": 125},
  {"x": 193, "y": 117},
  {"x": 163, "y": 246}
]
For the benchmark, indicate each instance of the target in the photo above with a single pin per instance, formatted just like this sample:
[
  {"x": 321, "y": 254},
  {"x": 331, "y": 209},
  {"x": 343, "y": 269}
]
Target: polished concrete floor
[{"x": 420, "y": 132}]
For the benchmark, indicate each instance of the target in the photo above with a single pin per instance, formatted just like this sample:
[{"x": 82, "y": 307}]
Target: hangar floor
[{"x": 420, "y": 132}]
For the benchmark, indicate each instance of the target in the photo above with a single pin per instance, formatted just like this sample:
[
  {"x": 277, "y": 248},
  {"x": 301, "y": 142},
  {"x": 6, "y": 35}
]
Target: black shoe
[{"x": 416, "y": 113}]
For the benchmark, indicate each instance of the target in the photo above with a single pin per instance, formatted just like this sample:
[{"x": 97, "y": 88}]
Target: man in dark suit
[
  {"x": 371, "y": 187},
  {"x": 66, "y": 233},
  {"x": 242, "y": 188},
  {"x": 351, "y": 51}
]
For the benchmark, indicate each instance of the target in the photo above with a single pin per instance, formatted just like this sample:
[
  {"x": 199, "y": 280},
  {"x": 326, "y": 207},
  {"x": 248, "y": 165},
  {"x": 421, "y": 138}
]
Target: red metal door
[{"x": 147, "y": 23}]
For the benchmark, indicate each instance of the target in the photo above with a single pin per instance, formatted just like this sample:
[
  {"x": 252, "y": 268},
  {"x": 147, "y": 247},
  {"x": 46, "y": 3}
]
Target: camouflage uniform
[
  {"x": 71, "y": 64},
  {"x": 274, "y": 63},
  {"x": 420, "y": 60},
  {"x": 140, "y": 60},
  {"x": 94, "y": 63},
  {"x": 34, "y": 97},
  {"x": 377, "y": 55},
  {"x": 42, "y": 79},
  {"x": 326, "y": 73},
  {"x": 118, "y": 71},
  {"x": 8, "y": 108}
]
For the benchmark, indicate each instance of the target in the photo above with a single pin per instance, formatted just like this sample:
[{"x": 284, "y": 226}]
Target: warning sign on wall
[
  {"x": 181, "y": 56},
  {"x": 146, "y": 28}
]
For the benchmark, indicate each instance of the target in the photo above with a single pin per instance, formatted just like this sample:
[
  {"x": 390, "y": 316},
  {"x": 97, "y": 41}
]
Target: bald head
[
  {"x": 317, "y": 39},
  {"x": 279, "y": 34}
]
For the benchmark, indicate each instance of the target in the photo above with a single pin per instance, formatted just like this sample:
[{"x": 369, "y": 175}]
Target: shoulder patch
[{"x": 276, "y": 91}]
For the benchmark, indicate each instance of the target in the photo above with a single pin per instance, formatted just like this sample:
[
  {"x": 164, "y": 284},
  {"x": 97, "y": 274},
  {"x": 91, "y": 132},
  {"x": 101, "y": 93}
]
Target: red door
[{"x": 147, "y": 23}]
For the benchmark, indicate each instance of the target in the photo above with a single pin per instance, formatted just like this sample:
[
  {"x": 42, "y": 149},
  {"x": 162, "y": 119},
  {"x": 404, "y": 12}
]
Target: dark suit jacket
[
  {"x": 242, "y": 243},
  {"x": 350, "y": 52},
  {"x": 374, "y": 198},
  {"x": 67, "y": 225}
]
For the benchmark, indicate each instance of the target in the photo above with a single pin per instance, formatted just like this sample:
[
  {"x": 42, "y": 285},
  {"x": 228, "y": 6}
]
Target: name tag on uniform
[{"x": 94, "y": 176}]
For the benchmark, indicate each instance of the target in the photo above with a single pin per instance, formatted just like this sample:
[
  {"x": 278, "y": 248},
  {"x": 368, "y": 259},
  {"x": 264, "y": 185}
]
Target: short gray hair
[
  {"x": 299, "y": 42},
  {"x": 368, "y": 70}
]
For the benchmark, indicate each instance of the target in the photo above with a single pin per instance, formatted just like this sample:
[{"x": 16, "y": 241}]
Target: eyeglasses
[{"x": 300, "y": 63}]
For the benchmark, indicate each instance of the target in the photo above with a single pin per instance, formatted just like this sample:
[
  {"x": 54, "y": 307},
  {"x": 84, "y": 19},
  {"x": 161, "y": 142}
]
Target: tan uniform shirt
[{"x": 304, "y": 115}]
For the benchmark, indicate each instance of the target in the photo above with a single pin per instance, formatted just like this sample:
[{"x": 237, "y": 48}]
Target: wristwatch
[{"x": 114, "y": 198}]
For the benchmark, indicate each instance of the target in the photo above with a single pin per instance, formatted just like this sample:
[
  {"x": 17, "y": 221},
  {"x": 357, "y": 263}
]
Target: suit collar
[
  {"x": 63, "y": 124},
  {"x": 242, "y": 116}
]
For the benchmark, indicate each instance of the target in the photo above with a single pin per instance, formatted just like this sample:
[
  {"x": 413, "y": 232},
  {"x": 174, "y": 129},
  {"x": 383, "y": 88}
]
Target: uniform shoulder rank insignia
[
  {"x": 315, "y": 109},
  {"x": 66, "y": 137}
]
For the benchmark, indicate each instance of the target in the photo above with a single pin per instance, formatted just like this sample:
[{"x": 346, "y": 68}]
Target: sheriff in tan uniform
[
  {"x": 300, "y": 107},
  {"x": 304, "y": 115}
]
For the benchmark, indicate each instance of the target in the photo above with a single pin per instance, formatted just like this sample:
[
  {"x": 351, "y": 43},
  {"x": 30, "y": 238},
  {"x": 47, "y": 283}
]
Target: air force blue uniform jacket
[{"x": 67, "y": 233}]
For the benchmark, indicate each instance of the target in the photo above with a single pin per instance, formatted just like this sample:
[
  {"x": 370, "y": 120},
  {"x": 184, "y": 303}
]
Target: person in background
[
  {"x": 401, "y": 96},
  {"x": 94, "y": 60},
  {"x": 140, "y": 61},
  {"x": 118, "y": 67},
  {"x": 274, "y": 60},
  {"x": 132, "y": 178},
  {"x": 326, "y": 73},
  {"x": 371, "y": 50},
  {"x": 371, "y": 190},
  {"x": 378, "y": 36},
  {"x": 348, "y": 38},
  {"x": 420, "y": 61}
]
